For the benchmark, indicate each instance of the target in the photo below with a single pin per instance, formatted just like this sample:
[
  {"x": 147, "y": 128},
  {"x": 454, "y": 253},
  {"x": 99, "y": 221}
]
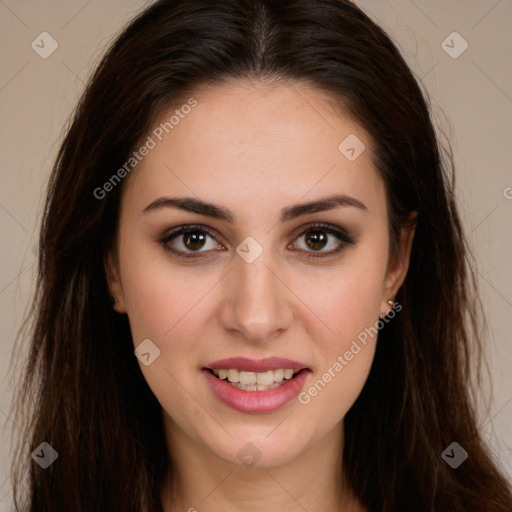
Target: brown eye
[
  {"x": 187, "y": 240},
  {"x": 324, "y": 236},
  {"x": 316, "y": 240},
  {"x": 194, "y": 241}
]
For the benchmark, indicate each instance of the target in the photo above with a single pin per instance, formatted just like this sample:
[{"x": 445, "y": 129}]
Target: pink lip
[
  {"x": 256, "y": 401},
  {"x": 253, "y": 365}
]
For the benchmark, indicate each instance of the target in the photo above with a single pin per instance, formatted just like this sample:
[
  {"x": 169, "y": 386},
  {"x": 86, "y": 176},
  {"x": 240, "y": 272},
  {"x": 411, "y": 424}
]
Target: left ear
[
  {"x": 114, "y": 284},
  {"x": 399, "y": 264}
]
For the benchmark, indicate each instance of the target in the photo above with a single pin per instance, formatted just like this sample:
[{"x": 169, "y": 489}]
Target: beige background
[{"x": 474, "y": 91}]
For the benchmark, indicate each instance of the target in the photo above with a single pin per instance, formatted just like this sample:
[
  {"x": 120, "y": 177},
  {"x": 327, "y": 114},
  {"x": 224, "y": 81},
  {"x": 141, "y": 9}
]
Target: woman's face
[{"x": 287, "y": 247}]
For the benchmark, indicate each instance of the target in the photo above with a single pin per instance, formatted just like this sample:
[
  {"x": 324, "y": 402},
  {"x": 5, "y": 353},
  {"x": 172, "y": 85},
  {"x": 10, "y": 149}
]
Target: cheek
[
  {"x": 334, "y": 389},
  {"x": 350, "y": 308},
  {"x": 346, "y": 300},
  {"x": 166, "y": 304},
  {"x": 157, "y": 293},
  {"x": 346, "y": 356},
  {"x": 162, "y": 305},
  {"x": 148, "y": 299}
]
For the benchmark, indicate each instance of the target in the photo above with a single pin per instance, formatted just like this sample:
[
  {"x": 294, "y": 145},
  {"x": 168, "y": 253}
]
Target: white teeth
[
  {"x": 278, "y": 375},
  {"x": 255, "y": 387},
  {"x": 288, "y": 374},
  {"x": 247, "y": 378},
  {"x": 233, "y": 375},
  {"x": 255, "y": 381},
  {"x": 264, "y": 378}
]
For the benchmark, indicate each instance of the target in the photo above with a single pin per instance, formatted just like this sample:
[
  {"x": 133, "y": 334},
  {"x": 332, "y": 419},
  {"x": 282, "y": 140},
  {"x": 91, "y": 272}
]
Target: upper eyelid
[{"x": 180, "y": 230}]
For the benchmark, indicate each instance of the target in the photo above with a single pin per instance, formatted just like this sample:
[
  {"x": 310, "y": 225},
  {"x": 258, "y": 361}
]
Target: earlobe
[{"x": 114, "y": 284}]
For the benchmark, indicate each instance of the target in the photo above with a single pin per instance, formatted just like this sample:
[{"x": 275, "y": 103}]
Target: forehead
[{"x": 248, "y": 141}]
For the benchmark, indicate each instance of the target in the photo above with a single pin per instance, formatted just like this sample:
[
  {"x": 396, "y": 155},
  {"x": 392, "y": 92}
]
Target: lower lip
[{"x": 256, "y": 401}]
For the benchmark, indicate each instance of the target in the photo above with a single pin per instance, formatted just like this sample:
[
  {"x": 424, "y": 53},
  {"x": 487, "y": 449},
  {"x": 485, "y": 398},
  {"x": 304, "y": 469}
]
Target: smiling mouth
[{"x": 255, "y": 381}]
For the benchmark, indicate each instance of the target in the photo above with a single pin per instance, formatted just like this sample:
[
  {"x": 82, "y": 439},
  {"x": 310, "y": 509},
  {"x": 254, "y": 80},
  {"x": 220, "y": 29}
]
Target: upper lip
[{"x": 256, "y": 365}]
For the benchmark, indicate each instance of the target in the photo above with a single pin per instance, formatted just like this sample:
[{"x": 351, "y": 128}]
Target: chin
[{"x": 260, "y": 448}]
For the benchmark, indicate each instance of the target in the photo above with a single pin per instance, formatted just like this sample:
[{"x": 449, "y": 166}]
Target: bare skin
[{"x": 254, "y": 149}]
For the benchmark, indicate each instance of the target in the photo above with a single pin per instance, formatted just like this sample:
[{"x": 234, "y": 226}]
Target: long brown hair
[{"x": 83, "y": 391}]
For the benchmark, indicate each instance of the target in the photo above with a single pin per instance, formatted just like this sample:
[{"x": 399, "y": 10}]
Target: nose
[{"x": 257, "y": 304}]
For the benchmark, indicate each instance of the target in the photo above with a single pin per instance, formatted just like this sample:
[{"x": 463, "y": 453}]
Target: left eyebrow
[
  {"x": 320, "y": 205},
  {"x": 191, "y": 204}
]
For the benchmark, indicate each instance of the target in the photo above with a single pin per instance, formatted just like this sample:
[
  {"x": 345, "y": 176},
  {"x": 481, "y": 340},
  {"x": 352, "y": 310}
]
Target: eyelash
[{"x": 344, "y": 238}]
